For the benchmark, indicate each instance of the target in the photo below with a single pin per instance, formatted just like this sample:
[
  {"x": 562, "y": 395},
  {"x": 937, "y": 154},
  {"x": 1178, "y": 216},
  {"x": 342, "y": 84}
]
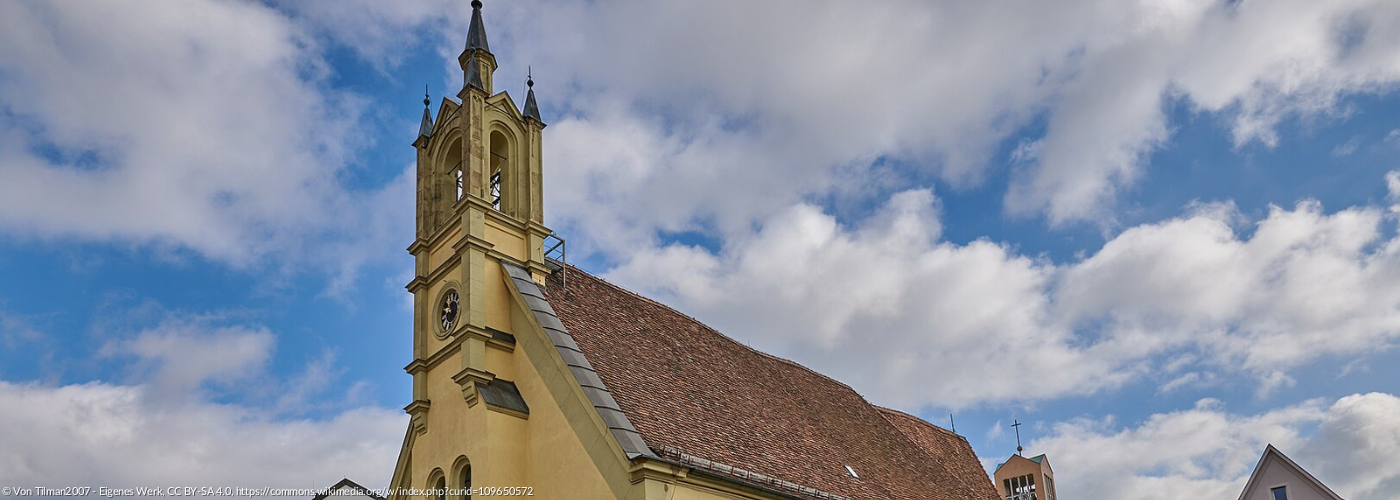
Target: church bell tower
[{"x": 479, "y": 206}]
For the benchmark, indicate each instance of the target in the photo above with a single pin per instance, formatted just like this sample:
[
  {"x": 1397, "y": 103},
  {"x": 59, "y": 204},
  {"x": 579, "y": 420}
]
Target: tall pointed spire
[
  {"x": 478, "y": 64},
  {"x": 531, "y": 109},
  {"x": 425, "y": 129},
  {"x": 476, "y": 35}
]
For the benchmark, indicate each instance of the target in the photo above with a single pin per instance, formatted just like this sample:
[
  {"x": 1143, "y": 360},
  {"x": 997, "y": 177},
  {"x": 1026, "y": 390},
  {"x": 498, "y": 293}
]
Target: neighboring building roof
[
  {"x": 1037, "y": 459},
  {"x": 689, "y": 390},
  {"x": 1272, "y": 454},
  {"x": 348, "y": 484}
]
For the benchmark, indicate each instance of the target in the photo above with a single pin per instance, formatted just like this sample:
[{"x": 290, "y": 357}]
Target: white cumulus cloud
[
  {"x": 1209, "y": 452},
  {"x": 1177, "y": 302},
  {"x": 197, "y": 125},
  {"x": 100, "y": 434}
]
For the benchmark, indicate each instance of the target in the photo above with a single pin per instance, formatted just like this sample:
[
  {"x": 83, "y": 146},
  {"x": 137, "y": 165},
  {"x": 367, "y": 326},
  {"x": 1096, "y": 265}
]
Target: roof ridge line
[
  {"x": 722, "y": 334},
  {"x": 916, "y": 417}
]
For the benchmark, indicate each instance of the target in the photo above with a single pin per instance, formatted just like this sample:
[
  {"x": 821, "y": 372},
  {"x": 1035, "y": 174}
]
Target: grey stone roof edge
[{"x": 627, "y": 436}]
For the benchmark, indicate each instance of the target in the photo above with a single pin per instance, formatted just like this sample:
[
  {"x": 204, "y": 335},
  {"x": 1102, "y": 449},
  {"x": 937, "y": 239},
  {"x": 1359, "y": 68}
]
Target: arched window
[
  {"x": 439, "y": 486},
  {"x": 466, "y": 479},
  {"x": 454, "y": 173},
  {"x": 500, "y": 162}
]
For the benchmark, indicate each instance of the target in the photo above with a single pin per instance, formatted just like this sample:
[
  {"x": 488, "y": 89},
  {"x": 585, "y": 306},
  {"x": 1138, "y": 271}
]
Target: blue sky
[{"x": 1161, "y": 233}]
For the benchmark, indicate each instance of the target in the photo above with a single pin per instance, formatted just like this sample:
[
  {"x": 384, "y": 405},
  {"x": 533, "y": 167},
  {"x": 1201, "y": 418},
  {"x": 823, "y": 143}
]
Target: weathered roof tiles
[{"x": 688, "y": 388}]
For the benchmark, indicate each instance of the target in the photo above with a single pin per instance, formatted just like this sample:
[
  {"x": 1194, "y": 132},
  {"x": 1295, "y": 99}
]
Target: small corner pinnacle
[{"x": 532, "y": 109}]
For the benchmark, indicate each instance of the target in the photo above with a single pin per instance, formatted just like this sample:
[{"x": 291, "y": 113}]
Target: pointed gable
[
  {"x": 1276, "y": 470},
  {"x": 504, "y": 103}
]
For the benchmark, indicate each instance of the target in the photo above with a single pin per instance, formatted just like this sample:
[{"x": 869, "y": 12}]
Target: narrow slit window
[
  {"x": 467, "y": 483},
  {"x": 500, "y": 165},
  {"x": 496, "y": 181},
  {"x": 458, "y": 173}
]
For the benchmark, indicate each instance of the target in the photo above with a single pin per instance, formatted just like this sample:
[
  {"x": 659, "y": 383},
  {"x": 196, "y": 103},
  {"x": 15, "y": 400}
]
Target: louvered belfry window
[{"x": 1020, "y": 488}]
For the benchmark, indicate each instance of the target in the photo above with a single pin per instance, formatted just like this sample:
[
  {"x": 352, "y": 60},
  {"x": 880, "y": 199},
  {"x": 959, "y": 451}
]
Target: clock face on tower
[{"x": 449, "y": 311}]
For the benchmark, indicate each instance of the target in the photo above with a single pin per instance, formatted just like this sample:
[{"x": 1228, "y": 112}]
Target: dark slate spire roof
[
  {"x": 474, "y": 74},
  {"x": 425, "y": 129},
  {"x": 476, "y": 35},
  {"x": 532, "y": 110}
]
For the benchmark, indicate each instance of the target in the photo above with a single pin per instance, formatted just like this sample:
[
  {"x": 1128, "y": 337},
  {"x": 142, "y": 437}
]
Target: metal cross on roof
[{"x": 1017, "y": 425}]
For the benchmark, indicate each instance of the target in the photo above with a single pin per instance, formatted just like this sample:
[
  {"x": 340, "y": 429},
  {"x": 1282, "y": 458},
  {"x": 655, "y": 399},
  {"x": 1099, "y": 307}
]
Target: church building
[{"x": 532, "y": 377}]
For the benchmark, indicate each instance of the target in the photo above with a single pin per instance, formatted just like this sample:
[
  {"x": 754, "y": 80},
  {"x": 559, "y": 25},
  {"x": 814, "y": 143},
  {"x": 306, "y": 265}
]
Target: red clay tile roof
[
  {"x": 688, "y": 387},
  {"x": 948, "y": 449}
]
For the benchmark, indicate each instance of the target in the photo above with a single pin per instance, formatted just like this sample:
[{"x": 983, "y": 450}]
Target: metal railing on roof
[{"x": 557, "y": 248}]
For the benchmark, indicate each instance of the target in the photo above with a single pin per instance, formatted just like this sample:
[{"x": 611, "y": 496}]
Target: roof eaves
[{"x": 716, "y": 470}]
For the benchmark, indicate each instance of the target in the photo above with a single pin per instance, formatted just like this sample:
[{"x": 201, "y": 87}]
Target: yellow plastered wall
[
  {"x": 541, "y": 452},
  {"x": 507, "y": 241},
  {"x": 441, "y": 249},
  {"x": 497, "y": 301}
]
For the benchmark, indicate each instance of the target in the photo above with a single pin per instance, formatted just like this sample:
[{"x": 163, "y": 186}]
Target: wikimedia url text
[{"x": 230, "y": 491}]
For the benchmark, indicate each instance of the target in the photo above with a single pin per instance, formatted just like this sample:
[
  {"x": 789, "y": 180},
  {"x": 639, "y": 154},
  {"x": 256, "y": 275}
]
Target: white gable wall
[{"x": 1276, "y": 473}]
